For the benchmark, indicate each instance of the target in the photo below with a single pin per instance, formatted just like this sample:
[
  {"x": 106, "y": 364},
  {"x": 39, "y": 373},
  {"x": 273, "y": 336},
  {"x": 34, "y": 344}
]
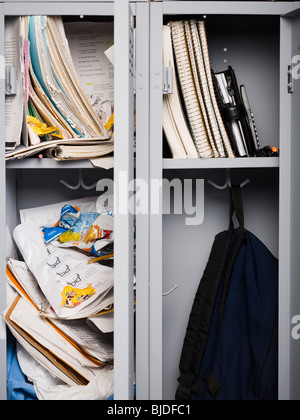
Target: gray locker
[
  {"x": 260, "y": 41},
  {"x": 33, "y": 182}
]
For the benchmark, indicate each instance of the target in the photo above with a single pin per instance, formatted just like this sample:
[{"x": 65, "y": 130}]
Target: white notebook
[
  {"x": 174, "y": 122},
  {"x": 192, "y": 105}
]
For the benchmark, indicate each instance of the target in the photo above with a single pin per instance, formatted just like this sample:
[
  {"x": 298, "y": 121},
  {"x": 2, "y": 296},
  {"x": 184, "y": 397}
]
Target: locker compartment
[
  {"x": 65, "y": 89},
  {"x": 29, "y": 188},
  {"x": 259, "y": 42},
  {"x": 35, "y": 182},
  {"x": 35, "y": 188},
  {"x": 251, "y": 46},
  {"x": 186, "y": 249}
]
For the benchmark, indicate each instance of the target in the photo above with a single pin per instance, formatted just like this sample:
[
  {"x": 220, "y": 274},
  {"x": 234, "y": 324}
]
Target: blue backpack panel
[{"x": 230, "y": 351}]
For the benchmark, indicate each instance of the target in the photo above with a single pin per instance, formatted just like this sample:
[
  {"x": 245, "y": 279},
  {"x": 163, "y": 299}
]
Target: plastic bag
[{"x": 88, "y": 231}]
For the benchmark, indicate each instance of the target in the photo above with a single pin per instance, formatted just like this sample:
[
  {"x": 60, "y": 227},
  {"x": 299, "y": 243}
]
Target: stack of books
[{"x": 61, "y": 92}]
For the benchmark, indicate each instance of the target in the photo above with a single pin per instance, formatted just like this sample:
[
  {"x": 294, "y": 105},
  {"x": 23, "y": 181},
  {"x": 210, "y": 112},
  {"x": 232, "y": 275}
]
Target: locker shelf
[
  {"x": 34, "y": 163},
  {"x": 272, "y": 162}
]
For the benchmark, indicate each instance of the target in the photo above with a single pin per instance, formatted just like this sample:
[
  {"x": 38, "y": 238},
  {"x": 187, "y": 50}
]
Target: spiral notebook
[
  {"x": 194, "y": 73},
  {"x": 174, "y": 122}
]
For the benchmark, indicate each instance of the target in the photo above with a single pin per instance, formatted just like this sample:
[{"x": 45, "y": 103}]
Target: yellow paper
[
  {"x": 110, "y": 122},
  {"x": 41, "y": 129}
]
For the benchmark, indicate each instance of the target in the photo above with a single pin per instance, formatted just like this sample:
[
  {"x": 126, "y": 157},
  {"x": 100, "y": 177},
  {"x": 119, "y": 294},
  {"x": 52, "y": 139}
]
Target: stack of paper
[
  {"x": 71, "y": 350},
  {"x": 200, "y": 106},
  {"x": 64, "y": 90},
  {"x": 62, "y": 308}
]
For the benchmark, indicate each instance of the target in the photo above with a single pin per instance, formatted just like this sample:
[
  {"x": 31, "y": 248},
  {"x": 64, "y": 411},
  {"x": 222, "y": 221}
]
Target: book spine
[
  {"x": 198, "y": 88},
  {"x": 225, "y": 138}
]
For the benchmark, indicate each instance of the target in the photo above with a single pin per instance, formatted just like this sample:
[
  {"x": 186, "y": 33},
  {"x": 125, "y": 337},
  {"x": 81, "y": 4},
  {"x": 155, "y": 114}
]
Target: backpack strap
[
  {"x": 236, "y": 206},
  {"x": 202, "y": 311},
  {"x": 238, "y": 240}
]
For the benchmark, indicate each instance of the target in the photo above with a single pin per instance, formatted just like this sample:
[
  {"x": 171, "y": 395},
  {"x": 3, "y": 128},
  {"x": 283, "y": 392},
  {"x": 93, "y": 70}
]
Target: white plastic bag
[
  {"x": 73, "y": 288},
  {"x": 47, "y": 387}
]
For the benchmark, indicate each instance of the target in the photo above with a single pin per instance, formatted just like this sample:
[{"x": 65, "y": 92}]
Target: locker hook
[
  {"x": 171, "y": 291},
  {"x": 227, "y": 183},
  {"x": 80, "y": 184},
  {"x": 222, "y": 187}
]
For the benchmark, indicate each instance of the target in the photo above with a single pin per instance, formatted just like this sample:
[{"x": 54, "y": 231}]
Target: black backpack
[{"x": 230, "y": 350}]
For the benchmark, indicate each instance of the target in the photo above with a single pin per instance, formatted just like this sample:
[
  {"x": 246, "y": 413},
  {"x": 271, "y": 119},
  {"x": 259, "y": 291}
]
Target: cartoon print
[{"x": 74, "y": 297}]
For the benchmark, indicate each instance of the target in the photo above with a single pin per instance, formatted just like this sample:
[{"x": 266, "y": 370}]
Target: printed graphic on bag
[{"x": 74, "y": 297}]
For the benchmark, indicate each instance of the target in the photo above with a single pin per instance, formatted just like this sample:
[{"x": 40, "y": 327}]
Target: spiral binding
[
  {"x": 198, "y": 88},
  {"x": 193, "y": 65},
  {"x": 255, "y": 130},
  {"x": 217, "y": 139},
  {"x": 193, "y": 108}
]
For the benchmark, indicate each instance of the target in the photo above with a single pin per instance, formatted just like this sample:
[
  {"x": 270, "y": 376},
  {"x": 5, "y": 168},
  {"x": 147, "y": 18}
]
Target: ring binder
[
  {"x": 237, "y": 114},
  {"x": 10, "y": 81}
]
